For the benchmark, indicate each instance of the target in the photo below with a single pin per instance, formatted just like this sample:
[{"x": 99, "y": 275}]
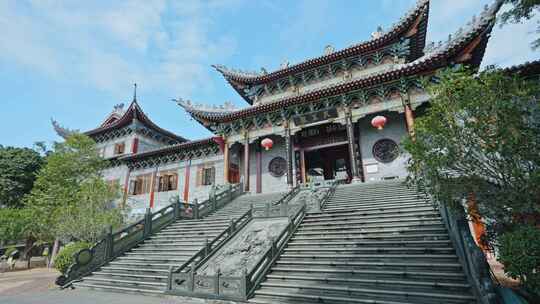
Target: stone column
[
  {"x": 226, "y": 162},
  {"x": 246, "y": 164},
  {"x": 258, "y": 152},
  {"x": 288, "y": 151},
  {"x": 303, "y": 165},
  {"x": 352, "y": 146}
]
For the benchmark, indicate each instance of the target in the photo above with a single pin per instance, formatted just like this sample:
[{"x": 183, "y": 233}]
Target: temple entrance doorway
[{"x": 327, "y": 163}]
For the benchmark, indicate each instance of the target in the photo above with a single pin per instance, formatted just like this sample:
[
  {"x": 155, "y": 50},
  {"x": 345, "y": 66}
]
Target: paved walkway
[
  {"x": 80, "y": 296},
  {"x": 36, "y": 286},
  {"x": 24, "y": 281}
]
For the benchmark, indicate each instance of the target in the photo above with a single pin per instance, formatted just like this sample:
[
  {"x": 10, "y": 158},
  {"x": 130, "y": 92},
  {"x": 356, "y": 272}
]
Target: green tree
[
  {"x": 481, "y": 135},
  {"x": 521, "y": 10},
  {"x": 18, "y": 168},
  {"x": 14, "y": 224},
  {"x": 68, "y": 189}
]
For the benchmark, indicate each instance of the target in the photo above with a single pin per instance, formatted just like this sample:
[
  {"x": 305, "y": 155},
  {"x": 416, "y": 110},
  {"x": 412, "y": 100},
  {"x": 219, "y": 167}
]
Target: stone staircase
[
  {"x": 374, "y": 243},
  {"x": 145, "y": 268}
]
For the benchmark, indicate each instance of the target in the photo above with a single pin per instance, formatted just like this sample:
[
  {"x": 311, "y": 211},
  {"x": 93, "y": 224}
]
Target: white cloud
[{"x": 110, "y": 44}]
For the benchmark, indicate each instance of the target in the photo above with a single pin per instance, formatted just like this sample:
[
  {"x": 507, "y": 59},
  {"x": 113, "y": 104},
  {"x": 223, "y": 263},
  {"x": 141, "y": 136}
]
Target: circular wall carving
[
  {"x": 385, "y": 150},
  {"x": 277, "y": 166}
]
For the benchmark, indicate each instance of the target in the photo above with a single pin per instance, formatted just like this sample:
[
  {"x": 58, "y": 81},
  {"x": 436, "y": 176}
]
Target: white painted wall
[{"x": 396, "y": 130}]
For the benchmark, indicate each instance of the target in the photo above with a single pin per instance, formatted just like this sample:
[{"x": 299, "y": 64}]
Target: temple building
[{"x": 341, "y": 115}]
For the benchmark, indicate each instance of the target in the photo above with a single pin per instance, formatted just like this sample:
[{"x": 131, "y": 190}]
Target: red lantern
[
  {"x": 378, "y": 122},
  {"x": 267, "y": 144}
]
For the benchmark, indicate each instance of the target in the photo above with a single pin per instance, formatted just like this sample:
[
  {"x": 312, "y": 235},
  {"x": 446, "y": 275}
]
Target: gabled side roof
[
  {"x": 413, "y": 25},
  {"x": 133, "y": 113}
]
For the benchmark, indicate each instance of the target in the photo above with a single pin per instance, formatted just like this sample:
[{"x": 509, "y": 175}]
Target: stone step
[
  {"x": 415, "y": 206},
  {"x": 126, "y": 283},
  {"x": 409, "y": 284},
  {"x": 404, "y": 237},
  {"x": 371, "y": 217},
  {"x": 331, "y": 272},
  {"x": 373, "y": 293},
  {"x": 408, "y": 250},
  {"x": 370, "y": 244},
  {"x": 368, "y": 200},
  {"x": 159, "y": 250},
  {"x": 355, "y": 213},
  {"x": 168, "y": 244},
  {"x": 350, "y": 226},
  {"x": 140, "y": 277},
  {"x": 152, "y": 260},
  {"x": 174, "y": 232},
  {"x": 372, "y": 265},
  {"x": 130, "y": 270},
  {"x": 263, "y": 296},
  {"x": 372, "y": 231},
  {"x": 363, "y": 220},
  {"x": 142, "y": 265},
  {"x": 375, "y": 204},
  {"x": 107, "y": 287},
  {"x": 383, "y": 258}
]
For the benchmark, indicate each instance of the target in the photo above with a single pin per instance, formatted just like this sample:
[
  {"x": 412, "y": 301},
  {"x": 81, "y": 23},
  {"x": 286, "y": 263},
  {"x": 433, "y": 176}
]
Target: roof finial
[{"x": 135, "y": 92}]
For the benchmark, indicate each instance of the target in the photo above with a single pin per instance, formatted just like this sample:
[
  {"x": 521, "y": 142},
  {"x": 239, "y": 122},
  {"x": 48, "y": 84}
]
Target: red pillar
[
  {"x": 126, "y": 188},
  {"x": 186, "y": 181},
  {"x": 259, "y": 170},
  {"x": 135, "y": 145},
  {"x": 153, "y": 188},
  {"x": 246, "y": 165}
]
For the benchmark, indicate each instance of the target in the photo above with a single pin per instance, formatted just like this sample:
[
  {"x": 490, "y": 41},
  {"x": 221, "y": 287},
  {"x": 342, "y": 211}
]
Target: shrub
[
  {"x": 520, "y": 255},
  {"x": 64, "y": 259}
]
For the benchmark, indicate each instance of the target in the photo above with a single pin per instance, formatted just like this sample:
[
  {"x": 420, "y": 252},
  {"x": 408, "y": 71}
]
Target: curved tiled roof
[
  {"x": 418, "y": 17},
  {"x": 475, "y": 37},
  {"x": 133, "y": 112}
]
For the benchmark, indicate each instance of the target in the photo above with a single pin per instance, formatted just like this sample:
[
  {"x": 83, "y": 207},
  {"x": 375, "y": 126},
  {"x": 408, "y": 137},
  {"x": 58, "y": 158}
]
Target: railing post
[
  {"x": 284, "y": 208},
  {"x": 267, "y": 211},
  {"x": 110, "y": 243},
  {"x": 273, "y": 248},
  {"x": 191, "y": 286},
  {"x": 231, "y": 227},
  {"x": 176, "y": 209},
  {"x": 244, "y": 288},
  {"x": 147, "y": 223},
  {"x": 169, "y": 278},
  {"x": 216, "y": 281},
  {"x": 206, "y": 247},
  {"x": 196, "y": 209}
]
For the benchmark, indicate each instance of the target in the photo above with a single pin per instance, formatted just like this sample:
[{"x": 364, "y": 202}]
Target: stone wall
[{"x": 269, "y": 183}]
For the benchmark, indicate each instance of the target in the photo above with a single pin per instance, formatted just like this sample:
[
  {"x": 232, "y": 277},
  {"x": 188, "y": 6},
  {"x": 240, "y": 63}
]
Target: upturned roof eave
[{"x": 397, "y": 31}]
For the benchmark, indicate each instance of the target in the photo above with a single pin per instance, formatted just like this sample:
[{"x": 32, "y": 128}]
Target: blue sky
[{"x": 73, "y": 60}]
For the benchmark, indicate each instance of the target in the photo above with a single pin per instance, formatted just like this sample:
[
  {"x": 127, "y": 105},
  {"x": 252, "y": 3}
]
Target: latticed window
[
  {"x": 140, "y": 184},
  {"x": 119, "y": 148},
  {"x": 167, "y": 181},
  {"x": 206, "y": 176}
]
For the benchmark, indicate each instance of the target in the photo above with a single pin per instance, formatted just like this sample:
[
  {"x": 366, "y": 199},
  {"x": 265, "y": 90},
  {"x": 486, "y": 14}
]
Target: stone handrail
[
  {"x": 213, "y": 245},
  {"x": 333, "y": 185},
  {"x": 197, "y": 210},
  {"x": 238, "y": 288},
  {"x": 471, "y": 256},
  {"x": 116, "y": 243}
]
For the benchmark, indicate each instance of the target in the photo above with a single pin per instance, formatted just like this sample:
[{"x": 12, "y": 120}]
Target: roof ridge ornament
[
  {"x": 62, "y": 131},
  {"x": 329, "y": 49},
  {"x": 135, "y": 92},
  {"x": 188, "y": 105},
  {"x": 378, "y": 33}
]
